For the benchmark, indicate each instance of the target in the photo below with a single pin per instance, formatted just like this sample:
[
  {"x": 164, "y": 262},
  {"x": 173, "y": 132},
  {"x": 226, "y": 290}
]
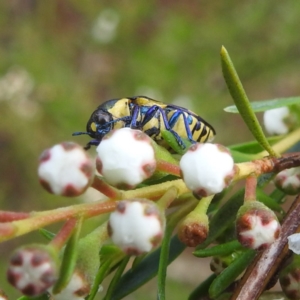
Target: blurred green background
[{"x": 60, "y": 59}]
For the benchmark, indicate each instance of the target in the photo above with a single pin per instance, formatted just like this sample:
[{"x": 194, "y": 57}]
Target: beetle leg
[
  {"x": 91, "y": 143},
  {"x": 150, "y": 114},
  {"x": 134, "y": 115},
  {"x": 175, "y": 118}
]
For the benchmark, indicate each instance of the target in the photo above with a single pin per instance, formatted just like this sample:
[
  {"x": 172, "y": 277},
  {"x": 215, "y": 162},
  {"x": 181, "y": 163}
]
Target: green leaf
[
  {"x": 69, "y": 260},
  {"x": 202, "y": 289},
  {"x": 278, "y": 196},
  {"x": 172, "y": 142},
  {"x": 163, "y": 263},
  {"x": 223, "y": 218},
  {"x": 252, "y": 147},
  {"x": 241, "y": 101},
  {"x": 48, "y": 235},
  {"x": 116, "y": 278},
  {"x": 220, "y": 250},
  {"x": 109, "y": 251},
  {"x": 259, "y": 106},
  {"x": 103, "y": 270},
  {"x": 147, "y": 269},
  {"x": 231, "y": 273},
  {"x": 269, "y": 201},
  {"x": 41, "y": 297},
  {"x": 240, "y": 157}
]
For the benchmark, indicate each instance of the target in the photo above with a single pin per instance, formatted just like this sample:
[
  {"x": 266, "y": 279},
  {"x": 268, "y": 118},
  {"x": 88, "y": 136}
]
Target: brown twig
[{"x": 286, "y": 161}]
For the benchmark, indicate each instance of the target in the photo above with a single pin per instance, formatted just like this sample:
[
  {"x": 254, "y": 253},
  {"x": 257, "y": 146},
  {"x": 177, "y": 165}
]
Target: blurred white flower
[
  {"x": 105, "y": 27},
  {"x": 17, "y": 86},
  {"x": 274, "y": 120},
  {"x": 294, "y": 243}
]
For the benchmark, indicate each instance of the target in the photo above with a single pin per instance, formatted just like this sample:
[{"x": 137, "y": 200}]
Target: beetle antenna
[{"x": 79, "y": 133}]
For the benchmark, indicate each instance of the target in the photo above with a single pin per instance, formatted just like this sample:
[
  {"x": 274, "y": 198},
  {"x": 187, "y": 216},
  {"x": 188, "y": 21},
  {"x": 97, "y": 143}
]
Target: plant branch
[{"x": 44, "y": 218}]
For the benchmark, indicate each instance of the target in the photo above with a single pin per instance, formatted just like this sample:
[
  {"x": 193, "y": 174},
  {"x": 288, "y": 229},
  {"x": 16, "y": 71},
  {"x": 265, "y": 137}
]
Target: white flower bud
[
  {"x": 256, "y": 226},
  {"x": 274, "y": 120},
  {"x": 65, "y": 169},
  {"x": 77, "y": 289},
  {"x": 136, "y": 226},
  {"x": 288, "y": 181},
  {"x": 32, "y": 271},
  {"x": 126, "y": 157},
  {"x": 207, "y": 169}
]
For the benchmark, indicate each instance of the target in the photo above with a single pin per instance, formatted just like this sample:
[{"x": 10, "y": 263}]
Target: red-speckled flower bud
[
  {"x": 288, "y": 181},
  {"x": 136, "y": 226},
  {"x": 207, "y": 169},
  {"x": 290, "y": 280},
  {"x": 126, "y": 157},
  {"x": 66, "y": 169},
  {"x": 32, "y": 270},
  {"x": 257, "y": 226}
]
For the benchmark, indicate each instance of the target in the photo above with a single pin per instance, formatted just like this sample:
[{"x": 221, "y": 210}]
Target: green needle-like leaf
[
  {"x": 231, "y": 273},
  {"x": 223, "y": 218},
  {"x": 116, "y": 278},
  {"x": 69, "y": 260},
  {"x": 221, "y": 250},
  {"x": 241, "y": 101},
  {"x": 171, "y": 141},
  {"x": 163, "y": 263},
  {"x": 41, "y": 297},
  {"x": 99, "y": 278},
  {"x": 269, "y": 201},
  {"x": 145, "y": 270},
  {"x": 48, "y": 235},
  {"x": 259, "y": 106},
  {"x": 202, "y": 289}
]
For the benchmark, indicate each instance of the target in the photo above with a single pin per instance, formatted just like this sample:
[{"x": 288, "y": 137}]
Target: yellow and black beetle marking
[{"x": 149, "y": 116}]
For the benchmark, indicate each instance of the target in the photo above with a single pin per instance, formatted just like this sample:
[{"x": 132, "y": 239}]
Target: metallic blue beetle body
[{"x": 149, "y": 116}]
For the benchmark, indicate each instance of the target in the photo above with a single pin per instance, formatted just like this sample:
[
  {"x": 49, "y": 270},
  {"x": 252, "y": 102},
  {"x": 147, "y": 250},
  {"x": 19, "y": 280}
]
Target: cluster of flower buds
[{"x": 125, "y": 158}]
